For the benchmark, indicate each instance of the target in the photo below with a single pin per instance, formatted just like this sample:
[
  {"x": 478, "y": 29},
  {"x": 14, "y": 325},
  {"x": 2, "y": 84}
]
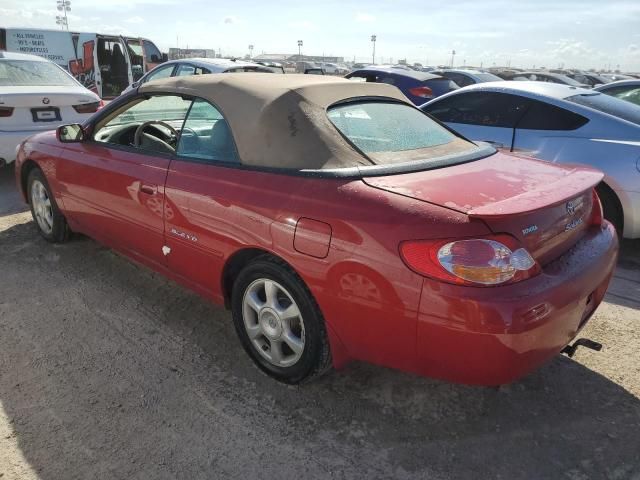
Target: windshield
[
  {"x": 167, "y": 107},
  {"x": 395, "y": 132},
  {"x": 27, "y": 73},
  {"x": 608, "y": 104}
]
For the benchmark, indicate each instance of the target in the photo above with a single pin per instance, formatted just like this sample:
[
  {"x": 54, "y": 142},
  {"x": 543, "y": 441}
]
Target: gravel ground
[{"x": 109, "y": 371}]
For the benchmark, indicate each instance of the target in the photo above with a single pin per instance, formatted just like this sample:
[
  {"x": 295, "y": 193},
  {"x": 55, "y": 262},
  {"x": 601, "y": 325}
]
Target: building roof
[{"x": 280, "y": 121}]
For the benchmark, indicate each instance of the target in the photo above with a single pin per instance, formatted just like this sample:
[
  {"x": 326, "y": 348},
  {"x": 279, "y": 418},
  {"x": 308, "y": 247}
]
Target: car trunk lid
[
  {"x": 37, "y": 108},
  {"x": 545, "y": 206}
]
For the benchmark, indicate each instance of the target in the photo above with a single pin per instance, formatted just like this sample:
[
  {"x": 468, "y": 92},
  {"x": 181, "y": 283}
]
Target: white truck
[{"x": 105, "y": 64}]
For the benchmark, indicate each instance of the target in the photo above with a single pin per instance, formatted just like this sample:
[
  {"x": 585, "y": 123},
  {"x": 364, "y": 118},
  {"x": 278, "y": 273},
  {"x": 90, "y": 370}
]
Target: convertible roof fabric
[{"x": 281, "y": 121}]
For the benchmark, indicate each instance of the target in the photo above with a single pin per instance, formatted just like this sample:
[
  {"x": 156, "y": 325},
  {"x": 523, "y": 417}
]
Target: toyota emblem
[{"x": 46, "y": 101}]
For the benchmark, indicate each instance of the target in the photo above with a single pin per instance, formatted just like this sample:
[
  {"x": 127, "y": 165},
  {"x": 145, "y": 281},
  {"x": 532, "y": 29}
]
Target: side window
[
  {"x": 622, "y": 91},
  {"x": 201, "y": 71},
  {"x": 460, "y": 80},
  {"x": 185, "y": 70},
  {"x": 582, "y": 79},
  {"x": 542, "y": 116},
  {"x": 151, "y": 52},
  {"x": 160, "y": 72},
  {"x": 388, "y": 80},
  {"x": 151, "y": 124},
  {"x": 206, "y": 135},
  {"x": 488, "y": 109}
]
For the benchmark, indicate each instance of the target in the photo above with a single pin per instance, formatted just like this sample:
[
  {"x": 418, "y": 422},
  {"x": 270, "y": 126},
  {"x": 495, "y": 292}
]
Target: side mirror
[
  {"x": 70, "y": 133},
  {"x": 165, "y": 57}
]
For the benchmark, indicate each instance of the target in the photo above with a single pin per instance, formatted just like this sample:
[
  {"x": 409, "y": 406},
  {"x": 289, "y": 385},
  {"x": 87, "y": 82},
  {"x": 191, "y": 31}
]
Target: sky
[{"x": 530, "y": 33}]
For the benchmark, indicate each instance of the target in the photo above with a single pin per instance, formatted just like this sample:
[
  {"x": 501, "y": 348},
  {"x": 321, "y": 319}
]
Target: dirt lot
[{"x": 109, "y": 371}]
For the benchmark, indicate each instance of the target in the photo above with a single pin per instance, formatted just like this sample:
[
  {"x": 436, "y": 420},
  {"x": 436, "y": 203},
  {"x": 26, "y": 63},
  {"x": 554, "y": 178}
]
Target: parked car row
[{"x": 338, "y": 221}]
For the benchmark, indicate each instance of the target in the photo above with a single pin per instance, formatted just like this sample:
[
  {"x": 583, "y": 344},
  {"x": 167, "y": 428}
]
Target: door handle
[{"x": 148, "y": 189}]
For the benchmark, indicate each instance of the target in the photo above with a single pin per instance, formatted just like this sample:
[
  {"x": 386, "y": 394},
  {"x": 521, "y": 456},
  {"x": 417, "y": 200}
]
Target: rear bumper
[
  {"x": 493, "y": 336},
  {"x": 9, "y": 142}
]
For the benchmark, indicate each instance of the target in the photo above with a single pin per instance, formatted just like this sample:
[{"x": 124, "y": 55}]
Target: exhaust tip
[{"x": 570, "y": 350}]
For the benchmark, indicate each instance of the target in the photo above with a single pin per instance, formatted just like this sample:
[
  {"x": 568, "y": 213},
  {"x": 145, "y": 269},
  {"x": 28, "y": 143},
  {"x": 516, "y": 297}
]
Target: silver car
[
  {"x": 628, "y": 90},
  {"x": 198, "y": 66},
  {"x": 557, "y": 123}
]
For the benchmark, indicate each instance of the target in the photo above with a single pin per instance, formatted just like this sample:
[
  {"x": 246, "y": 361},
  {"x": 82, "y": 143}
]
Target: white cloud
[
  {"x": 135, "y": 20},
  {"x": 365, "y": 17},
  {"x": 230, "y": 20}
]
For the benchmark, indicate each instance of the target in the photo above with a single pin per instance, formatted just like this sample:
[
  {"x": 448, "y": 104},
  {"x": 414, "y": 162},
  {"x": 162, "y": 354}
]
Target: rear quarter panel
[{"x": 368, "y": 297}]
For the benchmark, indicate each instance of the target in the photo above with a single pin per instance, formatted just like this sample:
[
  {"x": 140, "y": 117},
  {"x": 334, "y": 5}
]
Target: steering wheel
[{"x": 137, "y": 138}]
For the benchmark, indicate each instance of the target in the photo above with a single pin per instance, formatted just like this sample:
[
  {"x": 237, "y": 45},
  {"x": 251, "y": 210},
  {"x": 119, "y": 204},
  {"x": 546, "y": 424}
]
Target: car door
[
  {"x": 115, "y": 189},
  {"x": 481, "y": 116},
  {"x": 544, "y": 128},
  {"x": 203, "y": 212}
]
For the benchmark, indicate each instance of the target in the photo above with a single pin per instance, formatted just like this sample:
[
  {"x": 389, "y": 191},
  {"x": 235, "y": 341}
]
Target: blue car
[{"x": 419, "y": 87}]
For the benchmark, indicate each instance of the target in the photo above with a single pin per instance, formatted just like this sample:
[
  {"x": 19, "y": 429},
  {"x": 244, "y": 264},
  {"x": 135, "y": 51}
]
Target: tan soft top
[{"x": 281, "y": 120}]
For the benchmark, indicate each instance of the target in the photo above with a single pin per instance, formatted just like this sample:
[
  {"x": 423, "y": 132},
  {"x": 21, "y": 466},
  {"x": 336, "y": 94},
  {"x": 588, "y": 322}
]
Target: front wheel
[
  {"x": 279, "y": 323},
  {"x": 44, "y": 210}
]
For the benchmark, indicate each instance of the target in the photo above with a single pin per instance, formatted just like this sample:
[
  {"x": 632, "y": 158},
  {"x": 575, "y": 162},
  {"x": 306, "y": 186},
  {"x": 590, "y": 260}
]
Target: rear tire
[
  {"x": 45, "y": 212},
  {"x": 278, "y": 322},
  {"x": 611, "y": 208}
]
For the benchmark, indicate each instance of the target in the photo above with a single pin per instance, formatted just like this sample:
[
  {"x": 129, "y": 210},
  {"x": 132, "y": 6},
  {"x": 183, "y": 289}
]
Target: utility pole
[
  {"x": 250, "y": 51},
  {"x": 299, "y": 50},
  {"x": 373, "y": 40},
  {"x": 64, "y": 6},
  {"x": 453, "y": 54}
]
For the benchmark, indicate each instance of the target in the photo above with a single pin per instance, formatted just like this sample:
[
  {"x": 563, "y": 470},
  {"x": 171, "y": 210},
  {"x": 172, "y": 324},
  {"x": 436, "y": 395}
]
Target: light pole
[
  {"x": 373, "y": 40},
  {"x": 299, "y": 47},
  {"x": 63, "y": 6},
  {"x": 453, "y": 54},
  {"x": 250, "y": 51}
]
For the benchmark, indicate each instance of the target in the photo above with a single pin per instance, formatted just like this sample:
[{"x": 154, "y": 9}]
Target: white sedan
[
  {"x": 37, "y": 95},
  {"x": 557, "y": 123}
]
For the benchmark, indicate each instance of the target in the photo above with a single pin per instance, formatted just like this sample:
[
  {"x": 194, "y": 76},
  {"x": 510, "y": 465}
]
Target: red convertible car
[{"x": 337, "y": 221}]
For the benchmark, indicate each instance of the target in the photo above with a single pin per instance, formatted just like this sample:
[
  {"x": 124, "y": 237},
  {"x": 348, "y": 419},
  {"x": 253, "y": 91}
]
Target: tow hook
[{"x": 570, "y": 350}]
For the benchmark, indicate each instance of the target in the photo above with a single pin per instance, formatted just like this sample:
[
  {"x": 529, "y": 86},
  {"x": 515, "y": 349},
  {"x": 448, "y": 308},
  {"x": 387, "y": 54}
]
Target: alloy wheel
[
  {"x": 273, "y": 322},
  {"x": 42, "y": 208}
]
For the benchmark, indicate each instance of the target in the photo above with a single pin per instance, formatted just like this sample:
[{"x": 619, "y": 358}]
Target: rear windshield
[
  {"x": 608, "y": 104},
  {"x": 27, "y": 73},
  {"x": 395, "y": 132}
]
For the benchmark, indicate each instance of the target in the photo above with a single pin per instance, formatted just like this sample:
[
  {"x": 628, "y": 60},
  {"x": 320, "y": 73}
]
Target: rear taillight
[
  {"x": 596, "y": 210},
  {"x": 88, "y": 107},
  {"x": 493, "y": 260},
  {"x": 423, "y": 92},
  {"x": 6, "y": 111}
]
